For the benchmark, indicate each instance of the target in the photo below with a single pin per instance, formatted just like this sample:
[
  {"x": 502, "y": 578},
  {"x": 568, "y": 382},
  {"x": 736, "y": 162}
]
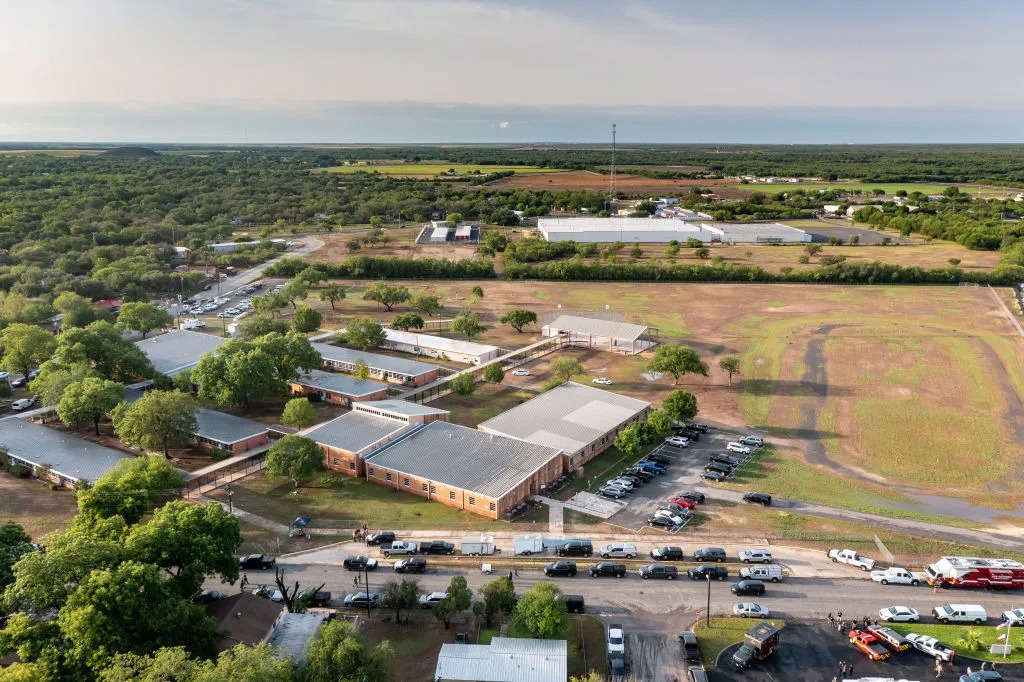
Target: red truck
[
  {"x": 869, "y": 644},
  {"x": 966, "y": 571}
]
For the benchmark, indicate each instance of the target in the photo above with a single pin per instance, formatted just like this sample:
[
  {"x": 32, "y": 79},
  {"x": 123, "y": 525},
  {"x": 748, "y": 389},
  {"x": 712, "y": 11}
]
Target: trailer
[
  {"x": 479, "y": 545},
  {"x": 525, "y": 545},
  {"x": 964, "y": 571},
  {"x": 869, "y": 644}
]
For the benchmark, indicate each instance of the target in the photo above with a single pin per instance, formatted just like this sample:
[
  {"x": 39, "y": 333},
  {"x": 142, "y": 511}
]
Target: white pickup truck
[
  {"x": 848, "y": 556},
  {"x": 399, "y": 547},
  {"x": 895, "y": 576}
]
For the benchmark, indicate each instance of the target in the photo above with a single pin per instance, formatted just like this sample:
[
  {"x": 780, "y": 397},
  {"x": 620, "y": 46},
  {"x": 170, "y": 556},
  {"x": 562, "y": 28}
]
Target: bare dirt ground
[
  {"x": 32, "y": 504},
  {"x": 624, "y": 182}
]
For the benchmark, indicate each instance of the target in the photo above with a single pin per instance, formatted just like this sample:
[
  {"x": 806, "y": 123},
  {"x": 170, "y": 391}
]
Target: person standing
[{"x": 938, "y": 668}]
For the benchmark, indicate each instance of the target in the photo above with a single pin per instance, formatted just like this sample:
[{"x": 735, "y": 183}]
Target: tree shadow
[{"x": 797, "y": 389}]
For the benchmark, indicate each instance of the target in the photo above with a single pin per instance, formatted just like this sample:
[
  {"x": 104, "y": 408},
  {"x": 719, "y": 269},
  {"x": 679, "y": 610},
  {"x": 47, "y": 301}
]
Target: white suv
[
  {"x": 738, "y": 447},
  {"x": 761, "y": 556}
]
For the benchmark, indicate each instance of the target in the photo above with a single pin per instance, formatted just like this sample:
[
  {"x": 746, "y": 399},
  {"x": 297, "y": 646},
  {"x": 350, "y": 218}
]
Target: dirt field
[
  {"x": 919, "y": 387},
  {"x": 32, "y": 504},
  {"x": 634, "y": 185}
]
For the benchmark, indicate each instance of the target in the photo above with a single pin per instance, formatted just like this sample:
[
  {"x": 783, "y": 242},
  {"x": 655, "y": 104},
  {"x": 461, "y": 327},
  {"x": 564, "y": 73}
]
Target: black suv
[
  {"x": 383, "y": 537},
  {"x": 659, "y": 571},
  {"x": 411, "y": 565},
  {"x": 704, "y": 570},
  {"x": 758, "y": 498},
  {"x": 709, "y": 554},
  {"x": 692, "y": 496},
  {"x": 667, "y": 554},
  {"x": 720, "y": 467},
  {"x": 437, "y": 547},
  {"x": 257, "y": 561},
  {"x": 359, "y": 563},
  {"x": 751, "y": 587},
  {"x": 691, "y": 649},
  {"x": 724, "y": 458},
  {"x": 576, "y": 548},
  {"x": 606, "y": 568},
  {"x": 659, "y": 458},
  {"x": 644, "y": 476},
  {"x": 561, "y": 568}
]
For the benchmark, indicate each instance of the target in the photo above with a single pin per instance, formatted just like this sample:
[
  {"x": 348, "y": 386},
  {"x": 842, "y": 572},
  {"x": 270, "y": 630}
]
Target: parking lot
[{"x": 682, "y": 474}]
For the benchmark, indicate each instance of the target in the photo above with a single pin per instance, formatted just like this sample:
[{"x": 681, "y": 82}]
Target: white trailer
[
  {"x": 529, "y": 544},
  {"x": 478, "y": 545}
]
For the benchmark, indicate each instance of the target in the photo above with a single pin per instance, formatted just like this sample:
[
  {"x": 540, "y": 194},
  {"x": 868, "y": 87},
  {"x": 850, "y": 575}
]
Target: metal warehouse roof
[
  {"x": 293, "y": 632},
  {"x": 569, "y": 417},
  {"x": 374, "y": 360},
  {"x": 67, "y": 455},
  {"x": 176, "y": 351},
  {"x": 226, "y": 428},
  {"x": 339, "y": 383},
  {"x": 400, "y": 407},
  {"x": 617, "y": 225},
  {"x": 441, "y": 343},
  {"x": 505, "y": 660},
  {"x": 464, "y": 458},
  {"x": 355, "y": 431},
  {"x": 596, "y": 327},
  {"x": 752, "y": 232}
]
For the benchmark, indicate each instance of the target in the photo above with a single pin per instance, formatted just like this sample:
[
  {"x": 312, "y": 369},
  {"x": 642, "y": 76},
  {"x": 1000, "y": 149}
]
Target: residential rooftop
[
  {"x": 293, "y": 632},
  {"x": 464, "y": 458},
  {"x": 505, "y": 659},
  {"x": 568, "y": 417},
  {"x": 593, "y": 326},
  {"x": 243, "y": 619},
  {"x": 387, "y": 363},
  {"x": 340, "y": 383},
  {"x": 69, "y": 456},
  {"x": 355, "y": 431},
  {"x": 226, "y": 428},
  {"x": 176, "y": 351}
]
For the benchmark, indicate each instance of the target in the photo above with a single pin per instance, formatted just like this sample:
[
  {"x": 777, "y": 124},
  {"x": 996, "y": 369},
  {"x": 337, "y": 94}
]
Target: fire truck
[
  {"x": 966, "y": 571},
  {"x": 869, "y": 644}
]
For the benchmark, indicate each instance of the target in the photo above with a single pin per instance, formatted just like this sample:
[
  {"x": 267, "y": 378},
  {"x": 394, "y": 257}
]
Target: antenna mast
[{"x": 611, "y": 190}]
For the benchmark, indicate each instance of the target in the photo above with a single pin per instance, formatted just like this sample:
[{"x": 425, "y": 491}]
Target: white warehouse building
[{"x": 664, "y": 230}]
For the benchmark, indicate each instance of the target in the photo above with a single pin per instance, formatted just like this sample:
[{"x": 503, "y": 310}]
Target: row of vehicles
[
  {"x": 949, "y": 613},
  {"x": 643, "y": 471}
]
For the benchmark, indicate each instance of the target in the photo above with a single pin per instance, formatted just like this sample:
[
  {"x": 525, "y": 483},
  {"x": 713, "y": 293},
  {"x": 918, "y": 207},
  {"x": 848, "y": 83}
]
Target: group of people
[
  {"x": 360, "y": 533},
  {"x": 836, "y": 621},
  {"x": 845, "y": 670}
]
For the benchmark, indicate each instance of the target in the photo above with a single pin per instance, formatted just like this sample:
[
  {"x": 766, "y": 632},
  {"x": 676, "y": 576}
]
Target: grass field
[
  {"x": 953, "y": 635},
  {"x": 431, "y": 169},
  {"x": 488, "y": 401},
  {"x": 867, "y": 188},
  {"x": 722, "y": 633},
  {"x": 34, "y": 506}
]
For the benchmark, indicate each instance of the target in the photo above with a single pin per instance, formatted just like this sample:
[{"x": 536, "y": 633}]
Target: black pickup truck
[
  {"x": 607, "y": 568},
  {"x": 437, "y": 547}
]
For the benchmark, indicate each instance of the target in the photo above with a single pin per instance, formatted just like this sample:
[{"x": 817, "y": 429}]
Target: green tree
[
  {"x": 499, "y": 597},
  {"x": 336, "y": 654},
  {"x": 629, "y": 439},
  {"x": 566, "y": 368},
  {"x": 673, "y": 249},
  {"x": 459, "y": 598},
  {"x": 661, "y": 422},
  {"x": 730, "y": 365},
  {"x": 101, "y": 345},
  {"x": 540, "y": 614},
  {"x": 680, "y": 405},
  {"x": 494, "y": 374},
  {"x": 400, "y": 596},
  {"x": 167, "y": 664},
  {"x": 971, "y": 641},
  {"x": 14, "y": 543},
  {"x": 463, "y": 384},
  {"x": 143, "y": 317},
  {"x": 365, "y": 333},
  {"x": 298, "y": 412},
  {"x": 407, "y": 321},
  {"x": 677, "y": 360},
  {"x": 812, "y": 249},
  {"x": 518, "y": 318},
  {"x": 306, "y": 320},
  {"x": 88, "y": 400},
  {"x": 703, "y": 252},
  {"x": 261, "y": 324},
  {"x": 311, "y": 276},
  {"x": 294, "y": 290},
  {"x": 25, "y": 346},
  {"x": 362, "y": 370},
  {"x": 332, "y": 294},
  {"x": 291, "y": 353},
  {"x": 77, "y": 310},
  {"x": 295, "y": 457},
  {"x": 476, "y": 293},
  {"x": 636, "y": 251},
  {"x": 270, "y": 303},
  {"x": 130, "y": 609},
  {"x": 469, "y": 322},
  {"x": 386, "y": 295},
  {"x": 426, "y": 303},
  {"x": 455, "y": 218},
  {"x": 54, "y": 378},
  {"x": 248, "y": 664},
  {"x": 158, "y": 421},
  {"x": 236, "y": 374},
  {"x": 190, "y": 542}
]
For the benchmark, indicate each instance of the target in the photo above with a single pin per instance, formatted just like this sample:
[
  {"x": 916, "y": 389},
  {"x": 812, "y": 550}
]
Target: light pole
[
  {"x": 231, "y": 506},
  {"x": 708, "y": 613},
  {"x": 366, "y": 586}
]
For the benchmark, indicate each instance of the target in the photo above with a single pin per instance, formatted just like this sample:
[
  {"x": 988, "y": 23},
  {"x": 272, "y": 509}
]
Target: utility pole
[{"x": 611, "y": 189}]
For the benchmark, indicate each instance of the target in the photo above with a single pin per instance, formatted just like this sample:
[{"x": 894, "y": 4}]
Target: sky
[{"x": 421, "y": 71}]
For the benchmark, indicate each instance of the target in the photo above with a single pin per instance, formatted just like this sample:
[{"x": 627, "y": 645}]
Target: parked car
[
  {"x": 691, "y": 648},
  {"x": 18, "y": 382},
  {"x": 604, "y": 568},
  {"x": 660, "y": 521},
  {"x": 667, "y": 554},
  {"x": 318, "y": 599},
  {"x": 982, "y": 676},
  {"x": 635, "y": 481},
  {"x": 647, "y": 465},
  {"x": 566, "y": 568},
  {"x": 704, "y": 571},
  {"x": 682, "y": 502},
  {"x": 678, "y": 441},
  {"x": 758, "y": 498},
  {"x": 1014, "y": 617},
  {"x": 437, "y": 547},
  {"x": 660, "y": 458},
  {"x": 603, "y": 381},
  {"x": 662, "y": 571},
  {"x": 931, "y": 646},
  {"x": 749, "y": 609},
  {"x": 720, "y": 467},
  {"x": 676, "y": 509},
  {"x": 411, "y": 565},
  {"x": 619, "y": 550},
  {"x": 399, "y": 548},
  {"x": 613, "y": 492},
  {"x": 703, "y": 428},
  {"x": 644, "y": 476},
  {"x": 754, "y": 441},
  {"x": 733, "y": 446},
  {"x": 896, "y": 575},
  {"x": 724, "y": 459},
  {"x": 429, "y": 601},
  {"x": 899, "y": 614},
  {"x": 381, "y": 537},
  {"x": 676, "y": 520},
  {"x": 22, "y": 404},
  {"x": 256, "y": 561},
  {"x": 208, "y": 597},
  {"x": 616, "y": 666},
  {"x": 520, "y": 372},
  {"x": 361, "y": 600},
  {"x": 709, "y": 554},
  {"x": 750, "y": 556},
  {"x": 691, "y": 495},
  {"x": 751, "y": 587},
  {"x": 576, "y": 548},
  {"x": 616, "y": 639},
  {"x": 574, "y": 603},
  {"x": 713, "y": 476},
  {"x": 359, "y": 563},
  {"x": 621, "y": 482}
]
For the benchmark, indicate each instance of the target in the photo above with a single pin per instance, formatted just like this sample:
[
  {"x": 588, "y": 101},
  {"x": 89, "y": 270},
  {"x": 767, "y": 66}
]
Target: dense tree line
[{"x": 374, "y": 267}]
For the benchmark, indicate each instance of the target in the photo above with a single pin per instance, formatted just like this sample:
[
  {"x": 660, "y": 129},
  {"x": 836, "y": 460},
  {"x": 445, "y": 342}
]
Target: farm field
[
  {"x": 633, "y": 185},
  {"x": 430, "y": 169},
  {"x": 911, "y": 388},
  {"x": 867, "y": 188}
]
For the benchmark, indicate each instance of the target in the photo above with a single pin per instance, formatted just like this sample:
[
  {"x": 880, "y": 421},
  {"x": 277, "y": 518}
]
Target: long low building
[
  {"x": 337, "y": 389},
  {"x": 464, "y": 468},
  {"x": 55, "y": 456},
  {"x": 609, "y": 335},
  {"x": 440, "y": 347},
  {"x": 579, "y": 420},
  {"x": 505, "y": 659},
  {"x": 223, "y": 431},
  {"x": 665, "y": 230},
  {"x": 381, "y": 367},
  {"x": 176, "y": 351}
]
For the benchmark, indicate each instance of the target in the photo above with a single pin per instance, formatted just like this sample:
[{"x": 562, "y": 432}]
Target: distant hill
[{"x": 130, "y": 152}]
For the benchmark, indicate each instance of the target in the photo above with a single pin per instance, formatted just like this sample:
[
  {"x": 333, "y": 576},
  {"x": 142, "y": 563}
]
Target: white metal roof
[
  {"x": 623, "y": 331},
  {"x": 292, "y": 633},
  {"x": 65, "y": 454},
  {"x": 464, "y": 231},
  {"x": 401, "y": 408},
  {"x": 627, "y": 225},
  {"x": 505, "y": 660},
  {"x": 388, "y": 363},
  {"x": 178, "y": 350},
  {"x": 441, "y": 343}
]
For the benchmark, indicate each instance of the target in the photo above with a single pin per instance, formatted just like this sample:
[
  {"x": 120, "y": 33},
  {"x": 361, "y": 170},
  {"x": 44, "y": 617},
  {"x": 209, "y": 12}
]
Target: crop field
[
  {"x": 631, "y": 185},
  {"x": 867, "y": 188},
  {"x": 431, "y": 169}
]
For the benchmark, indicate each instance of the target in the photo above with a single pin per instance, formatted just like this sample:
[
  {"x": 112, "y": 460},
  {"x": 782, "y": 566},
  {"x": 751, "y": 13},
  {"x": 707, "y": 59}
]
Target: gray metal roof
[
  {"x": 67, "y": 455},
  {"x": 402, "y": 407},
  {"x": 293, "y": 632},
  {"x": 464, "y": 458},
  {"x": 355, "y": 431},
  {"x": 339, "y": 383},
  {"x": 595, "y": 327},
  {"x": 373, "y": 360},
  {"x": 568, "y": 417},
  {"x": 226, "y": 428},
  {"x": 176, "y": 351},
  {"x": 504, "y": 660}
]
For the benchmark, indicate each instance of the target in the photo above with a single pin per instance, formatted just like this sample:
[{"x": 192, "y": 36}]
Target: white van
[
  {"x": 770, "y": 572},
  {"x": 960, "y": 613}
]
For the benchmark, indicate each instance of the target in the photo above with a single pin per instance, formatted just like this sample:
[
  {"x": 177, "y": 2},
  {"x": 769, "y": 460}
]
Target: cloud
[{"x": 504, "y": 124}]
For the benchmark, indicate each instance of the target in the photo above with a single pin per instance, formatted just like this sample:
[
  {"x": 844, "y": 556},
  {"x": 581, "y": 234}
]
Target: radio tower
[{"x": 611, "y": 189}]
